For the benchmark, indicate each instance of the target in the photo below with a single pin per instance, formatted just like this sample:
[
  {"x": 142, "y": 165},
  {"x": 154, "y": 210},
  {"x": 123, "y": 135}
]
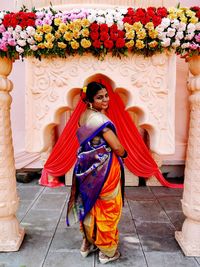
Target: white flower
[
  {"x": 109, "y": 21},
  {"x": 166, "y": 42},
  {"x": 189, "y": 36},
  {"x": 100, "y": 20},
  {"x": 0, "y": 21},
  {"x": 176, "y": 44},
  {"x": 160, "y": 28},
  {"x": 31, "y": 41},
  {"x": 179, "y": 35},
  {"x": 23, "y": 35},
  {"x": 16, "y": 35},
  {"x": 165, "y": 22},
  {"x": 162, "y": 35},
  {"x": 191, "y": 27},
  {"x": 185, "y": 45},
  {"x": 19, "y": 49},
  {"x": 101, "y": 12},
  {"x": 10, "y": 29},
  {"x": 30, "y": 30},
  {"x": 34, "y": 47},
  {"x": 171, "y": 32},
  {"x": 18, "y": 28},
  {"x": 175, "y": 23},
  {"x": 197, "y": 26},
  {"x": 91, "y": 18},
  {"x": 21, "y": 42},
  {"x": 120, "y": 25},
  {"x": 1, "y": 15},
  {"x": 182, "y": 26}
]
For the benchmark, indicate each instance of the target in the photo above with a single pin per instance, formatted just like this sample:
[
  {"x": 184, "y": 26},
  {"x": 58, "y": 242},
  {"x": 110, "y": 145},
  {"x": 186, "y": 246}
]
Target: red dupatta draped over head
[{"x": 139, "y": 160}]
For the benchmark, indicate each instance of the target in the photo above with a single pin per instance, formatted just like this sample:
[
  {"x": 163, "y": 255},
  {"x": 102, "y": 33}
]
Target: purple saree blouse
[{"x": 92, "y": 167}]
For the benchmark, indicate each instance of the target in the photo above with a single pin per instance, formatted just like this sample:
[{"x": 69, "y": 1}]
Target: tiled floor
[{"x": 150, "y": 217}]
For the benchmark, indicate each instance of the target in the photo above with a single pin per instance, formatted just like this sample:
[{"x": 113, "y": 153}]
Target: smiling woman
[{"x": 97, "y": 188}]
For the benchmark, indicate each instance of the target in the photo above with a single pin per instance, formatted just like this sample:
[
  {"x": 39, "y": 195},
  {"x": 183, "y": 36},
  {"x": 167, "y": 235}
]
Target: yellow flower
[
  {"x": 190, "y": 13},
  {"x": 62, "y": 45},
  {"x": 128, "y": 27},
  {"x": 149, "y": 26},
  {"x": 74, "y": 44},
  {"x": 38, "y": 37},
  {"x": 179, "y": 12},
  {"x": 85, "y": 43},
  {"x": 57, "y": 21},
  {"x": 62, "y": 27},
  {"x": 71, "y": 26},
  {"x": 130, "y": 35},
  {"x": 172, "y": 16},
  {"x": 68, "y": 36},
  {"x": 153, "y": 44},
  {"x": 48, "y": 45},
  {"x": 39, "y": 29},
  {"x": 183, "y": 19},
  {"x": 193, "y": 20},
  {"x": 41, "y": 46},
  {"x": 141, "y": 34},
  {"x": 153, "y": 34},
  {"x": 76, "y": 34},
  {"x": 137, "y": 26},
  {"x": 84, "y": 89},
  {"x": 49, "y": 37},
  {"x": 172, "y": 9},
  {"x": 47, "y": 28},
  {"x": 77, "y": 24},
  {"x": 139, "y": 44},
  {"x": 85, "y": 23},
  {"x": 85, "y": 32},
  {"x": 57, "y": 35},
  {"x": 129, "y": 44}
]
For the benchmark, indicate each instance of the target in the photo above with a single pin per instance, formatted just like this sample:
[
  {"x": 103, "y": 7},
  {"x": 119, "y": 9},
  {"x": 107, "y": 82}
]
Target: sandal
[
  {"x": 87, "y": 248},
  {"x": 105, "y": 259}
]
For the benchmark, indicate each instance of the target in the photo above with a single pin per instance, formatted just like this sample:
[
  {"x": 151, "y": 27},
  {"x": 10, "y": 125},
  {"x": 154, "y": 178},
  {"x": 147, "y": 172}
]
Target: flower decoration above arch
[{"x": 49, "y": 32}]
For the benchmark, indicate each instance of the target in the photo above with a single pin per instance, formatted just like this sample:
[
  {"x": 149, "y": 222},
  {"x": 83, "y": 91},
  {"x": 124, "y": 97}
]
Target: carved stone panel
[{"x": 51, "y": 85}]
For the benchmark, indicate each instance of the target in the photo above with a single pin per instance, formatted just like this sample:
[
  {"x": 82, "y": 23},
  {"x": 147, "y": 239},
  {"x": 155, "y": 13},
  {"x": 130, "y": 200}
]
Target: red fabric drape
[{"x": 139, "y": 161}]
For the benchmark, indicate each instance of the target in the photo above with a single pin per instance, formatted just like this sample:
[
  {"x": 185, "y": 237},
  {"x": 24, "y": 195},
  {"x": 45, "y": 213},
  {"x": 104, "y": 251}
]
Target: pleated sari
[{"x": 97, "y": 186}]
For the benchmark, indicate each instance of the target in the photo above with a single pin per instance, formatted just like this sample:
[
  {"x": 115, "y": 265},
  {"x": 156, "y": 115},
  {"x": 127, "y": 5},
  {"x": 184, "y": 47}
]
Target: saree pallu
[{"x": 96, "y": 193}]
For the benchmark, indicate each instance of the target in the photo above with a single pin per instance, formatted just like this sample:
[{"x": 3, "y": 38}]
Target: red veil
[{"x": 139, "y": 160}]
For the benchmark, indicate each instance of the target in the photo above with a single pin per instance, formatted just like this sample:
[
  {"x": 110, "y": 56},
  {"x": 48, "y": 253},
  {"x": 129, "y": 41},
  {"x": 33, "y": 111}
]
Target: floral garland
[{"x": 145, "y": 31}]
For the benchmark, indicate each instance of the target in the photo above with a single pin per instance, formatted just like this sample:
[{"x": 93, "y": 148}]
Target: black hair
[{"x": 92, "y": 89}]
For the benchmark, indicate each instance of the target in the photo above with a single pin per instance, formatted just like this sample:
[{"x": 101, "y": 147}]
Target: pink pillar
[
  {"x": 11, "y": 235},
  {"x": 189, "y": 237}
]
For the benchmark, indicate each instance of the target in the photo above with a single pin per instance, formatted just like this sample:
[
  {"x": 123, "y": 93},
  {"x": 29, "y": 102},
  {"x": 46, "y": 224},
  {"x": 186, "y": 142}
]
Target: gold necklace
[{"x": 93, "y": 109}]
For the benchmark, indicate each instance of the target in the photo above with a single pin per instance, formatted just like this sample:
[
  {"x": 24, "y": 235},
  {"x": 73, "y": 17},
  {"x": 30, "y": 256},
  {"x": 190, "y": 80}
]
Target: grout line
[
  {"x": 157, "y": 199},
  {"x": 32, "y": 203},
  {"x": 51, "y": 239},
  {"x": 137, "y": 233}
]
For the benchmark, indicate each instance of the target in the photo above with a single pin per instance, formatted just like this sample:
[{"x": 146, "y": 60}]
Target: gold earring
[{"x": 90, "y": 105}]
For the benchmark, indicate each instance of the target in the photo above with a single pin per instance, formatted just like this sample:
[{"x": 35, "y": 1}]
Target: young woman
[{"x": 97, "y": 186}]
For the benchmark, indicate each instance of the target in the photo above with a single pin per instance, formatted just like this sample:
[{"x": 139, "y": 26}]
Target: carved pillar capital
[
  {"x": 11, "y": 235},
  {"x": 189, "y": 237}
]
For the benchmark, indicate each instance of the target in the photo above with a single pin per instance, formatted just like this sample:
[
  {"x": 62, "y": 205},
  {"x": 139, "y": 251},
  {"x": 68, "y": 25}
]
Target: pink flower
[
  {"x": 11, "y": 42},
  {"x": 3, "y": 46},
  {"x": 194, "y": 46},
  {"x": 2, "y": 28},
  {"x": 197, "y": 38}
]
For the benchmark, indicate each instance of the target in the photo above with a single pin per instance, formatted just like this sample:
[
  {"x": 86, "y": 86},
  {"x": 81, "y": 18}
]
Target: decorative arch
[{"x": 150, "y": 83}]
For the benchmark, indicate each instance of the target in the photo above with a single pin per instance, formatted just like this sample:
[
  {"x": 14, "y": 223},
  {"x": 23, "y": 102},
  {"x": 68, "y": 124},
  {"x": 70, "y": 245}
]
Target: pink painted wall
[{"x": 18, "y": 106}]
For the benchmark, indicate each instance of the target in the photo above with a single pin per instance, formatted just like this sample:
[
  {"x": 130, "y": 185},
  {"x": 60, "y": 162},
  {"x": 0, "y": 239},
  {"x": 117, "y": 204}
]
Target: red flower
[
  {"x": 94, "y": 35},
  {"x": 151, "y": 11},
  {"x": 121, "y": 34},
  {"x": 94, "y": 26},
  {"x": 120, "y": 43},
  {"x": 108, "y": 44},
  {"x": 113, "y": 36},
  {"x": 156, "y": 20},
  {"x": 20, "y": 18},
  {"x": 104, "y": 36},
  {"x": 131, "y": 11},
  {"x": 198, "y": 14},
  {"x": 128, "y": 20},
  {"x": 195, "y": 8},
  {"x": 140, "y": 12},
  {"x": 162, "y": 12},
  {"x": 104, "y": 27},
  {"x": 96, "y": 44},
  {"x": 113, "y": 28}
]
